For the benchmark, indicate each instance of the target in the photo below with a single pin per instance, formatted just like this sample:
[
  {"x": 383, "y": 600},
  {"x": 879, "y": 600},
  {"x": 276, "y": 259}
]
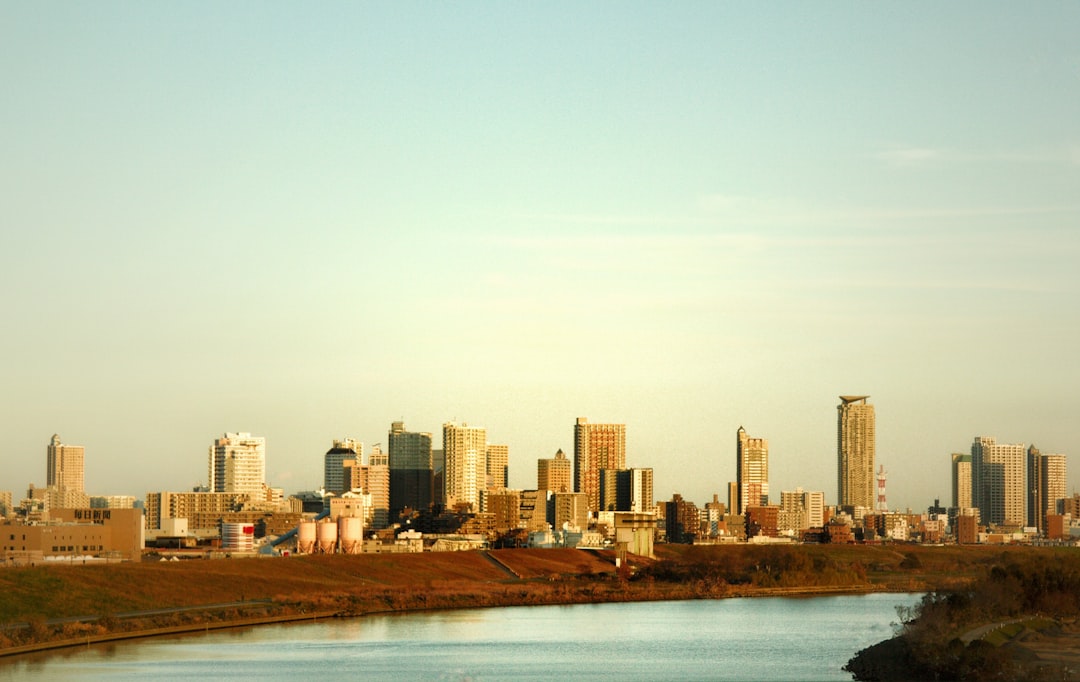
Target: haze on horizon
[{"x": 308, "y": 223}]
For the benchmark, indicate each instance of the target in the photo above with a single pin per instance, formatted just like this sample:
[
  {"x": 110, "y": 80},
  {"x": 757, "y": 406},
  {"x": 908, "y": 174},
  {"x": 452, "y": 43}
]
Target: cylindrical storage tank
[
  {"x": 305, "y": 537},
  {"x": 350, "y": 534},
  {"x": 326, "y": 535},
  {"x": 237, "y": 537}
]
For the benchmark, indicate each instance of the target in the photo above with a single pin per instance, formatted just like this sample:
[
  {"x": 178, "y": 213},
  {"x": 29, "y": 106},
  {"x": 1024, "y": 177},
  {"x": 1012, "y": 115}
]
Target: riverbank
[
  {"x": 1018, "y": 621},
  {"x": 61, "y": 606}
]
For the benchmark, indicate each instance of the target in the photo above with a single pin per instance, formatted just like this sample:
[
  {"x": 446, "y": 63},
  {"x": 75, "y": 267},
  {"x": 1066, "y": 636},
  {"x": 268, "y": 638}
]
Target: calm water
[{"x": 729, "y": 639}]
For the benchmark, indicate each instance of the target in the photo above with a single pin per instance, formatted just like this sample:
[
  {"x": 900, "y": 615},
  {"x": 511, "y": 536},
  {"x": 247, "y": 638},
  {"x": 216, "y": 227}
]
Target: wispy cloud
[
  {"x": 909, "y": 155},
  {"x": 912, "y": 155}
]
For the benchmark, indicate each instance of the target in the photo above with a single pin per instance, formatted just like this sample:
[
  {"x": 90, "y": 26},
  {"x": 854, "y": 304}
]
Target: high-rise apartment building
[
  {"x": 961, "y": 481},
  {"x": 412, "y": 476},
  {"x": 801, "y": 509},
  {"x": 997, "y": 481},
  {"x": 641, "y": 490},
  {"x": 333, "y": 474},
  {"x": 238, "y": 464},
  {"x": 1046, "y": 486},
  {"x": 465, "y": 474},
  {"x": 374, "y": 481},
  {"x": 554, "y": 474},
  {"x": 596, "y": 447},
  {"x": 752, "y": 460},
  {"x": 627, "y": 490},
  {"x": 855, "y": 450},
  {"x": 66, "y": 466},
  {"x": 498, "y": 467}
]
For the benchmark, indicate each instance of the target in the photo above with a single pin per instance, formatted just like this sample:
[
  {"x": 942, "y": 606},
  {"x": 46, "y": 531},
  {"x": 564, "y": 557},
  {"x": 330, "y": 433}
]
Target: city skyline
[
  {"x": 309, "y": 225},
  {"x": 239, "y": 457}
]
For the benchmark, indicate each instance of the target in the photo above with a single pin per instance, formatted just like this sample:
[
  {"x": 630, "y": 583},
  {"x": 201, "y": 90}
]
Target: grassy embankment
[
  {"x": 1016, "y": 621},
  {"x": 298, "y": 587}
]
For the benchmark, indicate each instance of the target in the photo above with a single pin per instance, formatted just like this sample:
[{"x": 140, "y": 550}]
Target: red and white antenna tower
[{"x": 882, "y": 506}]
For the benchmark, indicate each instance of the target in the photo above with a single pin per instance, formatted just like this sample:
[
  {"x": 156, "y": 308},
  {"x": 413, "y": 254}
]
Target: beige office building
[
  {"x": 855, "y": 448},
  {"x": 74, "y": 534},
  {"x": 554, "y": 474},
  {"x": 596, "y": 447},
  {"x": 66, "y": 466},
  {"x": 238, "y": 464},
  {"x": 465, "y": 474}
]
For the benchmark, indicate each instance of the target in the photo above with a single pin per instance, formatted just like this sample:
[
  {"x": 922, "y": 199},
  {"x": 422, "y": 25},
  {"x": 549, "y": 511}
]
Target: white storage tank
[
  {"x": 238, "y": 537},
  {"x": 305, "y": 537},
  {"x": 350, "y": 534},
  {"x": 326, "y": 537}
]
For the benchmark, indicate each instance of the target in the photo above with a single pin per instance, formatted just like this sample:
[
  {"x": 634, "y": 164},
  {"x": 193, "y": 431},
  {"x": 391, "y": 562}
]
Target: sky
[{"x": 308, "y": 222}]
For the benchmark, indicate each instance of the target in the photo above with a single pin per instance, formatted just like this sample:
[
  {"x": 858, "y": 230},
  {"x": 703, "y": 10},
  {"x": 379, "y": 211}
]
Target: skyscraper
[
  {"x": 1046, "y": 485},
  {"x": 498, "y": 466},
  {"x": 596, "y": 447},
  {"x": 752, "y": 460},
  {"x": 333, "y": 473},
  {"x": 961, "y": 481},
  {"x": 238, "y": 464},
  {"x": 855, "y": 451},
  {"x": 65, "y": 466},
  {"x": 554, "y": 474},
  {"x": 412, "y": 477},
  {"x": 997, "y": 477},
  {"x": 465, "y": 474}
]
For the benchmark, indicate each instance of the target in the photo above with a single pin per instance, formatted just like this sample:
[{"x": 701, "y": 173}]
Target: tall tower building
[
  {"x": 498, "y": 467},
  {"x": 333, "y": 472},
  {"x": 596, "y": 447},
  {"x": 374, "y": 481},
  {"x": 752, "y": 459},
  {"x": 554, "y": 474},
  {"x": 238, "y": 464},
  {"x": 641, "y": 490},
  {"x": 961, "y": 481},
  {"x": 1046, "y": 485},
  {"x": 465, "y": 474},
  {"x": 65, "y": 466},
  {"x": 997, "y": 478},
  {"x": 855, "y": 451},
  {"x": 412, "y": 476}
]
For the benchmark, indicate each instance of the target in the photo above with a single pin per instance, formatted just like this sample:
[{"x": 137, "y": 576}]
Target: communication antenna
[{"x": 882, "y": 506}]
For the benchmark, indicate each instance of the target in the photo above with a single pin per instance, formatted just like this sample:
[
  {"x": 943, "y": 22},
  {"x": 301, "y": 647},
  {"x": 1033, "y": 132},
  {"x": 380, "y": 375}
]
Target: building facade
[
  {"x": 1046, "y": 486},
  {"x": 498, "y": 466},
  {"x": 997, "y": 478},
  {"x": 554, "y": 474},
  {"x": 961, "y": 481},
  {"x": 374, "y": 481},
  {"x": 412, "y": 474},
  {"x": 65, "y": 466},
  {"x": 596, "y": 447},
  {"x": 238, "y": 464},
  {"x": 752, "y": 476},
  {"x": 465, "y": 474},
  {"x": 855, "y": 449},
  {"x": 333, "y": 473}
]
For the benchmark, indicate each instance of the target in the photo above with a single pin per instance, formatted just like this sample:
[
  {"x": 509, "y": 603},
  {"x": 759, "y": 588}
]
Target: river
[{"x": 727, "y": 639}]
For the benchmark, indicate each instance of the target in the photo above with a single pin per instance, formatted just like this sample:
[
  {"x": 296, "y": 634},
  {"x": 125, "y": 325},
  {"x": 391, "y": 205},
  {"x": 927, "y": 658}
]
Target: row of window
[{"x": 71, "y": 548}]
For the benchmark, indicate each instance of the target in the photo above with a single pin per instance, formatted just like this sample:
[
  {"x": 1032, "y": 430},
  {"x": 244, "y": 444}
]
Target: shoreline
[
  {"x": 50, "y": 605},
  {"x": 12, "y": 654}
]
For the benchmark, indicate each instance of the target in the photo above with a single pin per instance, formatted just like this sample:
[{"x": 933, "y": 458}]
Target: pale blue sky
[{"x": 309, "y": 222}]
